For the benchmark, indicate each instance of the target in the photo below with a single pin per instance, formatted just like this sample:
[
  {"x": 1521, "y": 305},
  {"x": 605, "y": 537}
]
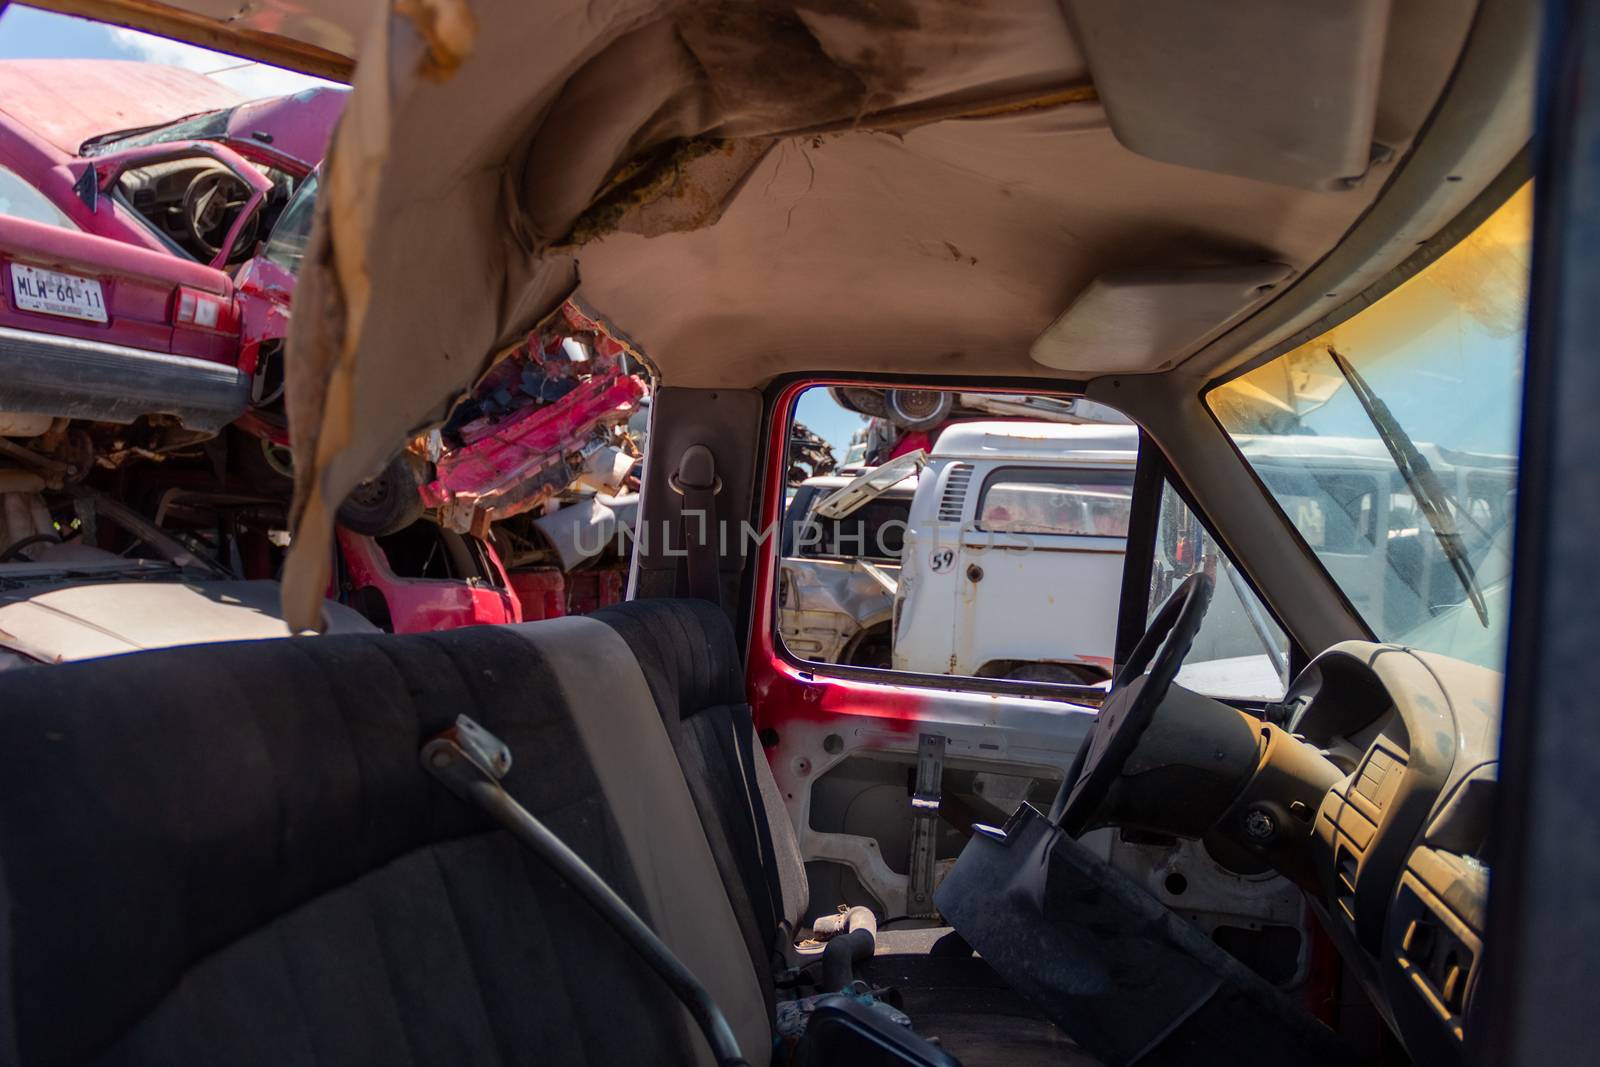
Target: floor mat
[{"x": 967, "y": 1006}]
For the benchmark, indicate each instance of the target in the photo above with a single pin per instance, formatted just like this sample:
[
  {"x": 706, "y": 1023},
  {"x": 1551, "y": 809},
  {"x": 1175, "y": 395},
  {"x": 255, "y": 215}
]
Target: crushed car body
[{"x": 537, "y": 422}]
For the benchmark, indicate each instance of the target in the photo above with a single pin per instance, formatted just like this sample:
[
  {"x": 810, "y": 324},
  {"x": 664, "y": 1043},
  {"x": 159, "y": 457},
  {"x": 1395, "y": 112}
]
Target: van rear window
[{"x": 1069, "y": 503}]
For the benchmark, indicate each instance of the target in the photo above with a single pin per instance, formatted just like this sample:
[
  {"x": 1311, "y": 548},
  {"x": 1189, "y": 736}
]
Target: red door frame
[{"x": 813, "y": 716}]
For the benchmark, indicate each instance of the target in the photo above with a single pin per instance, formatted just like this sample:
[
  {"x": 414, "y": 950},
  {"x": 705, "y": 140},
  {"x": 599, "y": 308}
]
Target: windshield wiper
[{"x": 1436, "y": 503}]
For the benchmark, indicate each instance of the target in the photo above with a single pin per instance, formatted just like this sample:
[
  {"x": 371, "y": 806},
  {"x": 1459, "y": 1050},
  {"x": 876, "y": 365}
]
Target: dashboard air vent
[{"x": 955, "y": 492}]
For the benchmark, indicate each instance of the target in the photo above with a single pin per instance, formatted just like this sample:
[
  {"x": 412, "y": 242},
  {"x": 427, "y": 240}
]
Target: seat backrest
[
  {"x": 230, "y": 854},
  {"x": 692, "y": 662}
]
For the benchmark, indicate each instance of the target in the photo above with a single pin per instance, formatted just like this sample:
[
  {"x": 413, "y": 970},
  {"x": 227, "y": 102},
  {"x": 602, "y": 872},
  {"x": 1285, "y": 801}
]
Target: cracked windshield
[{"x": 1390, "y": 443}]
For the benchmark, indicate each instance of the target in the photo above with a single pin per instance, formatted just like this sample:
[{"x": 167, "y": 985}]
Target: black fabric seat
[
  {"x": 691, "y": 660},
  {"x": 228, "y": 854}
]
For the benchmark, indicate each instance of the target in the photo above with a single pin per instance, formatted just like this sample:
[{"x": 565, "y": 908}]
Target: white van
[
  {"x": 1012, "y": 565},
  {"x": 1012, "y": 562},
  {"x": 1354, "y": 510}
]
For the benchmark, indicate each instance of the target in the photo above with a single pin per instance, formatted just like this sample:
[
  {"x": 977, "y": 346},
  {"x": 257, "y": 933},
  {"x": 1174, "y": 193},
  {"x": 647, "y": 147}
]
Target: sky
[
  {"x": 26, "y": 33},
  {"x": 818, "y": 412}
]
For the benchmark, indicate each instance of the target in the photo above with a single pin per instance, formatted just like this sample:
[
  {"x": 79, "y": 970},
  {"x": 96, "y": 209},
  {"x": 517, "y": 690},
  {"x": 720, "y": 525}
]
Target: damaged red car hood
[{"x": 65, "y": 102}]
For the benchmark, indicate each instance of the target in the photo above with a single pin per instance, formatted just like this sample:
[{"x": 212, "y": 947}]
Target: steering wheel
[
  {"x": 210, "y": 204},
  {"x": 1131, "y": 705},
  {"x": 18, "y": 547}
]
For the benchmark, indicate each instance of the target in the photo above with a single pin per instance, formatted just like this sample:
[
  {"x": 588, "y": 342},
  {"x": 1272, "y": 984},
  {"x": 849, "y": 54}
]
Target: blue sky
[
  {"x": 827, "y": 419},
  {"x": 26, "y": 33}
]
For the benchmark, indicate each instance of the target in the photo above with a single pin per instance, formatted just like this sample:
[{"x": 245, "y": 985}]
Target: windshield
[
  {"x": 1390, "y": 442},
  {"x": 208, "y": 125}
]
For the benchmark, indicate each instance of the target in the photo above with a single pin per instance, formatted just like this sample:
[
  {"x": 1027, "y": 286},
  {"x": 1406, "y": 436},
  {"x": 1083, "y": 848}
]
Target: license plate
[{"x": 54, "y": 293}]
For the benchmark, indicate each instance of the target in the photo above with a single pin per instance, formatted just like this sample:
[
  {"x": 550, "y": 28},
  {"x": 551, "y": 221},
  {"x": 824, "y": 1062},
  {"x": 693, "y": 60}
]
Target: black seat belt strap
[
  {"x": 744, "y": 743},
  {"x": 697, "y": 483}
]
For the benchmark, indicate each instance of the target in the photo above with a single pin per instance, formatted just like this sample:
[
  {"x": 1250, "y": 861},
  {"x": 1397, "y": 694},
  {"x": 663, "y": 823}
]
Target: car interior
[
  {"x": 192, "y": 203},
  {"x": 1291, "y": 246}
]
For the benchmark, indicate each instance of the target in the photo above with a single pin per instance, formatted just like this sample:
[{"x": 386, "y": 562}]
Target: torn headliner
[
  {"x": 937, "y": 249},
  {"x": 744, "y": 189}
]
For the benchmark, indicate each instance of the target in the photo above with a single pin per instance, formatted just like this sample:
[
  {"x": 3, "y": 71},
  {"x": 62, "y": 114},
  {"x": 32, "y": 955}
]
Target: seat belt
[
  {"x": 925, "y": 804},
  {"x": 696, "y": 481}
]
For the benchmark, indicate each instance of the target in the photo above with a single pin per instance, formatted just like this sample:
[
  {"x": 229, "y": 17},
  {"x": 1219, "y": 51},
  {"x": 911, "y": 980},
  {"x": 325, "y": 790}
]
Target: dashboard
[{"x": 1401, "y": 844}]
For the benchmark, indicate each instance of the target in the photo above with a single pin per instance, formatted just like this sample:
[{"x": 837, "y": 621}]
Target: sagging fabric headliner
[{"x": 742, "y": 188}]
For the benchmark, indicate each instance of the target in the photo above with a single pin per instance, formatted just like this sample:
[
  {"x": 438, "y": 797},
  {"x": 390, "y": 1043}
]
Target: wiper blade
[{"x": 1438, "y": 506}]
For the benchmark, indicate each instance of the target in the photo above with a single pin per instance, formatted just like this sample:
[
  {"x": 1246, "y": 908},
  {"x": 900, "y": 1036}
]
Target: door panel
[
  {"x": 816, "y": 727},
  {"x": 844, "y": 744}
]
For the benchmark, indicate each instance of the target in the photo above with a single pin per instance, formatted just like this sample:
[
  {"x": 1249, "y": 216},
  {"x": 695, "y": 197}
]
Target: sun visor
[
  {"x": 1280, "y": 92},
  {"x": 1137, "y": 321}
]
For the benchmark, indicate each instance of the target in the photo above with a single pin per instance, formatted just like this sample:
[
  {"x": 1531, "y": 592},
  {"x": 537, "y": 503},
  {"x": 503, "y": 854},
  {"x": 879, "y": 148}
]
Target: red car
[
  {"x": 126, "y": 191},
  {"x": 120, "y": 231},
  {"x": 50, "y": 107},
  {"x": 221, "y": 202},
  {"x": 424, "y": 578},
  {"x": 156, "y": 156},
  {"x": 99, "y": 330}
]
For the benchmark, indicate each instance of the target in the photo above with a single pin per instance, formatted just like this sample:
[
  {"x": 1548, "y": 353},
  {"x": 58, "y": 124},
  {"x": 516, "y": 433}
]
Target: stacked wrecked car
[{"x": 150, "y": 241}]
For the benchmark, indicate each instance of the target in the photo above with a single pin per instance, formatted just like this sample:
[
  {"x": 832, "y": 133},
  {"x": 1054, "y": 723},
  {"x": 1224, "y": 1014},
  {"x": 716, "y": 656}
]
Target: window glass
[
  {"x": 1390, "y": 442},
  {"x": 21, "y": 200},
  {"x": 287, "y": 245},
  {"x": 1081, "y": 503},
  {"x": 1334, "y": 513},
  {"x": 206, "y": 126},
  {"x": 993, "y": 549},
  {"x": 874, "y": 531},
  {"x": 1240, "y": 652}
]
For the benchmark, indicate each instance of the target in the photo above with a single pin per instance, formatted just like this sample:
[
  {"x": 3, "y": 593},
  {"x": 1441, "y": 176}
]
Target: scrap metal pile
[
  {"x": 150, "y": 246},
  {"x": 548, "y": 417}
]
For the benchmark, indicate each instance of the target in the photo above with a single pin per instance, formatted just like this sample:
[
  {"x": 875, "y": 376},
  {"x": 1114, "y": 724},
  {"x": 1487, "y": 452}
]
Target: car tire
[
  {"x": 867, "y": 402},
  {"x": 871, "y": 648},
  {"x": 919, "y": 409},
  {"x": 389, "y": 502}
]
